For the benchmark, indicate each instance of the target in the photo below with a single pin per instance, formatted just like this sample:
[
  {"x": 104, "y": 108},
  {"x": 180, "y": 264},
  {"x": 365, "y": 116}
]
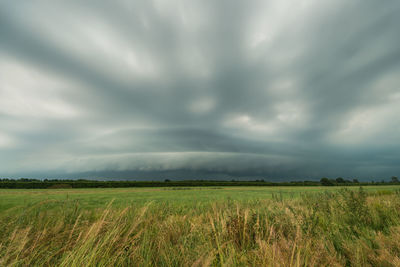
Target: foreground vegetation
[{"x": 359, "y": 227}]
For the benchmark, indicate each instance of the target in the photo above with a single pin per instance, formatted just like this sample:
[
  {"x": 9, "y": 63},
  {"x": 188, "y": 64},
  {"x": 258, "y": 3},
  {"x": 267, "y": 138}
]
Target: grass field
[
  {"x": 186, "y": 196},
  {"x": 228, "y": 226}
]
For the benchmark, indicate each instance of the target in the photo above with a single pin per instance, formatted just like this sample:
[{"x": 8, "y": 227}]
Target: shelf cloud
[{"x": 200, "y": 89}]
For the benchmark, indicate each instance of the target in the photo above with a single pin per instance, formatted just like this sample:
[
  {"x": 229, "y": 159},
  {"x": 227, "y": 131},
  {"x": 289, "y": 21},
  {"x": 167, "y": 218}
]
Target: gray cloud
[{"x": 275, "y": 89}]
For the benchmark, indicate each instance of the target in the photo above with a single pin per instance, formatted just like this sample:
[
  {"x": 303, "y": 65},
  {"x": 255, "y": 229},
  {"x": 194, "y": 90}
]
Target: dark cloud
[{"x": 276, "y": 89}]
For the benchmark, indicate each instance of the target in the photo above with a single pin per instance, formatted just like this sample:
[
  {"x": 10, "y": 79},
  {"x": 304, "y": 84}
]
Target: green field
[
  {"x": 221, "y": 226},
  {"x": 187, "y": 196}
]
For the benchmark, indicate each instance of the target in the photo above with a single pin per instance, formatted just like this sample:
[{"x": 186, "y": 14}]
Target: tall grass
[{"x": 344, "y": 228}]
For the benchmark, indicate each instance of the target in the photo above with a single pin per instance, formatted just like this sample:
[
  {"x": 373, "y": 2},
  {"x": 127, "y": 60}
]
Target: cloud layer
[{"x": 276, "y": 89}]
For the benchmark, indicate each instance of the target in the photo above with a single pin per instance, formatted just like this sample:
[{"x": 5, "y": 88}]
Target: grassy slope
[{"x": 229, "y": 226}]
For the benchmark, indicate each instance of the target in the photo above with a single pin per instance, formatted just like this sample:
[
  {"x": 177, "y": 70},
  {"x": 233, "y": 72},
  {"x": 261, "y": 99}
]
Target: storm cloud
[{"x": 204, "y": 89}]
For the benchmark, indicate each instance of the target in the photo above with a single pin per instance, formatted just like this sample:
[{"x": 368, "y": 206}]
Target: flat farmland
[
  {"x": 99, "y": 197},
  {"x": 208, "y": 226}
]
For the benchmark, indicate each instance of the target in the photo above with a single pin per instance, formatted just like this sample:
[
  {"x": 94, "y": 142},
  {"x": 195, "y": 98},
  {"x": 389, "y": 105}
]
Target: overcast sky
[{"x": 276, "y": 89}]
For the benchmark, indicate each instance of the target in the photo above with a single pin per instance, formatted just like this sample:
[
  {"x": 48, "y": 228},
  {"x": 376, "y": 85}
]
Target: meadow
[{"x": 209, "y": 226}]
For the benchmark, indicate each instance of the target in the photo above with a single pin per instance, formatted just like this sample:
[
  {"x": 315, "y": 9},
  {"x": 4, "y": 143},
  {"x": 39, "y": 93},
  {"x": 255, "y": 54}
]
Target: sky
[{"x": 149, "y": 89}]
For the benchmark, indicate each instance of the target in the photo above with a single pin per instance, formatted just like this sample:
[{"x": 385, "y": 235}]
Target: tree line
[{"x": 26, "y": 183}]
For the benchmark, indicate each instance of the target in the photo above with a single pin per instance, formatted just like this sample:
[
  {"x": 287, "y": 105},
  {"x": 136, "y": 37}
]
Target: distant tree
[
  {"x": 167, "y": 180},
  {"x": 355, "y": 181},
  {"x": 340, "y": 180},
  {"x": 326, "y": 182},
  {"x": 395, "y": 180}
]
